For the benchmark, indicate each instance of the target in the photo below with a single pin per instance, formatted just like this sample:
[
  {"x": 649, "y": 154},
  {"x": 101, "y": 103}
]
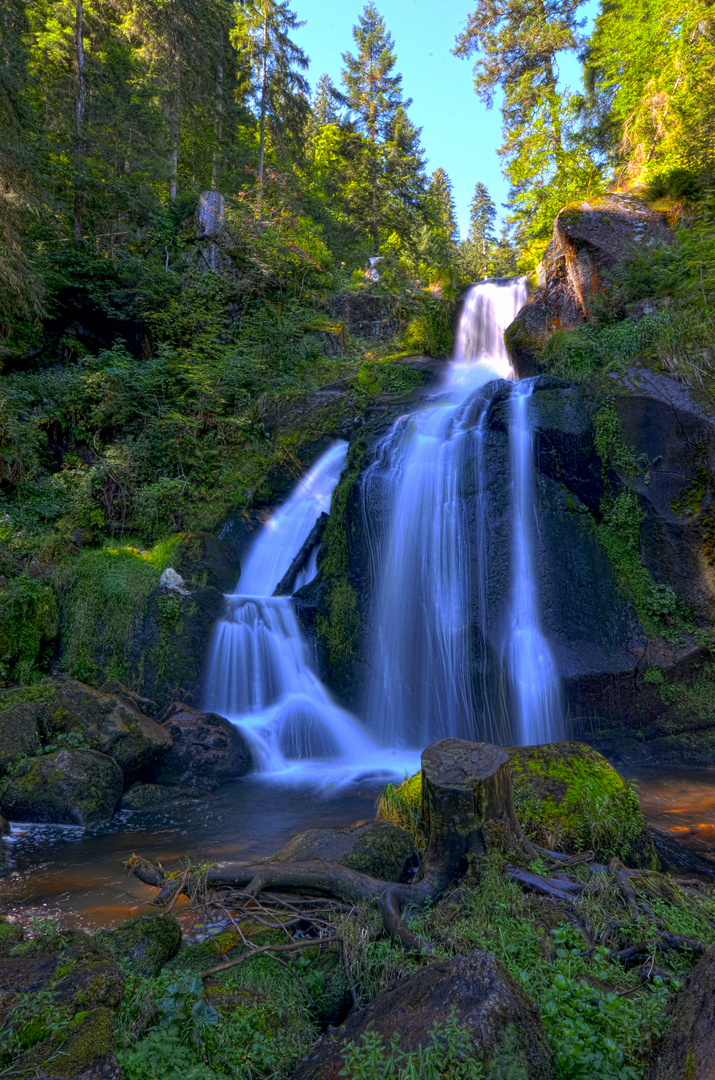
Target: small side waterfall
[
  {"x": 424, "y": 680},
  {"x": 259, "y": 672},
  {"x": 531, "y": 666}
]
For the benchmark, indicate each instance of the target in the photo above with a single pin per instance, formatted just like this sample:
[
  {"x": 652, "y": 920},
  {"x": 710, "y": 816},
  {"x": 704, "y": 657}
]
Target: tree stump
[{"x": 468, "y": 805}]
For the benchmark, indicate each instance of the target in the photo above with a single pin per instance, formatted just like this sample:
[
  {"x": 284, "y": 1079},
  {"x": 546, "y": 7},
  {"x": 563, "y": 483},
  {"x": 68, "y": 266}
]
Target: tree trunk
[
  {"x": 218, "y": 123},
  {"x": 468, "y": 804},
  {"x": 262, "y": 131},
  {"x": 174, "y": 122},
  {"x": 79, "y": 122}
]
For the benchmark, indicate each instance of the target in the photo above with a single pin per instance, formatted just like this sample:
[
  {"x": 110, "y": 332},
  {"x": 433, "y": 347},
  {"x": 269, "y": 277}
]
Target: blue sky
[{"x": 458, "y": 132}]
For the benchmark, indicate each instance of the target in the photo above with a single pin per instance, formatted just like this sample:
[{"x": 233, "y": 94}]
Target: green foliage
[
  {"x": 103, "y": 595},
  {"x": 575, "y": 801},
  {"x": 430, "y": 332},
  {"x": 28, "y": 627},
  {"x": 447, "y": 1054},
  {"x": 401, "y": 805}
]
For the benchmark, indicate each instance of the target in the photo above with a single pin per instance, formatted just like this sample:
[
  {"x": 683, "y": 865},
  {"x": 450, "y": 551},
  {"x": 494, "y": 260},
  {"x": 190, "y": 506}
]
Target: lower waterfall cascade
[
  {"x": 421, "y": 680},
  {"x": 260, "y": 673}
]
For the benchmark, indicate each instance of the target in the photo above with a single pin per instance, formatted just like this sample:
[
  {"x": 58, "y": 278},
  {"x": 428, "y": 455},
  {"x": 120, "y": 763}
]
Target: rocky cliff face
[
  {"x": 590, "y": 239},
  {"x": 625, "y": 545}
]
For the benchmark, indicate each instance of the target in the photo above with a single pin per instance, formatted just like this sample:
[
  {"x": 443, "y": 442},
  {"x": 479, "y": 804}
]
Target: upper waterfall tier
[{"x": 424, "y": 681}]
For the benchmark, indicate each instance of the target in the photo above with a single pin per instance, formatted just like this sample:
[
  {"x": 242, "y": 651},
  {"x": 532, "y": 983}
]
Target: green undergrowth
[
  {"x": 252, "y": 1021},
  {"x": 340, "y": 625},
  {"x": 658, "y": 607},
  {"x": 597, "y": 1031},
  {"x": 103, "y": 594},
  {"x": 29, "y": 624}
]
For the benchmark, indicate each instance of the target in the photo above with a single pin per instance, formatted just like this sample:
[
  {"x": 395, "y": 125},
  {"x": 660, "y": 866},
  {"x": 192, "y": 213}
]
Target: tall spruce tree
[
  {"x": 373, "y": 93},
  {"x": 280, "y": 91}
]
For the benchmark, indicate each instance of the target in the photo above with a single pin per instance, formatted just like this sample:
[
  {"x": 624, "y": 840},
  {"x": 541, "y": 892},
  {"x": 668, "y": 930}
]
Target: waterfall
[
  {"x": 424, "y": 682},
  {"x": 531, "y": 666},
  {"x": 259, "y": 670}
]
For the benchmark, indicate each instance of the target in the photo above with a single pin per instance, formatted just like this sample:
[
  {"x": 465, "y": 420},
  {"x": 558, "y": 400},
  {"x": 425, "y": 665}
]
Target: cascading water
[
  {"x": 259, "y": 671},
  {"x": 421, "y": 683},
  {"x": 531, "y": 666}
]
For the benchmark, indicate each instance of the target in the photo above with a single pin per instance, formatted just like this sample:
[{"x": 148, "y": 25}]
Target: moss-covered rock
[
  {"x": 146, "y": 944},
  {"x": 378, "y": 848},
  {"x": 71, "y": 787},
  {"x": 157, "y": 796},
  {"x": 60, "y": 711},
  {"x": 203, "y": 559},
  {"x": 568, "y": 798},
  {"x": 59, "y": 991}
]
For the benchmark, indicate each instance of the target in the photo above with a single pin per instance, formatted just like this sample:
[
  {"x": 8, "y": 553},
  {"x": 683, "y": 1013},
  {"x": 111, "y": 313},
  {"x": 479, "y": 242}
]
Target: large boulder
[
  {"x": 146, "y": 944},
  {"x": 207, "y": 750},
  {"x": 590, "y": 239},
  {"x": 71, "y": 787},
  {"x": 376, "y": 848},
  {"x": 62, "y": 711},
  {"x": 76, "y": 988},
  {"x": 492, "y": 1010},
  {"x": 688, "y": 1048}
]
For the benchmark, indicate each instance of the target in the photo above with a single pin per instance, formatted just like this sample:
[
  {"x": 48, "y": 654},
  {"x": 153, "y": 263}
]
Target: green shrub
[{"x": 28, "y": 627}]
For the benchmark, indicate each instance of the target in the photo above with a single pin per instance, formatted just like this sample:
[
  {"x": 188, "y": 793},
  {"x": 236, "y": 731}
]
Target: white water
[
  {"x": 260, "y": 673},
  {"x": 424, "y": 682},
  {"x": 421, "y": 683},
  {"x": 531, "y": 666}
]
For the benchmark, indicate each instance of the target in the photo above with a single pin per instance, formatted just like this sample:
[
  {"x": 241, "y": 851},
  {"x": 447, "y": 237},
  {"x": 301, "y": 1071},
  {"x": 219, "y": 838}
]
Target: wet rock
[
  {"x": 364, "y": 314},
  {"x": 590, "y": 238},
  {"x": 166, "y": 654},
  {"x": 157, "y": 796},
  {"x": 20, "y": 728},
  {"x": 207, "y": 750},
  {"x": 71, "y": 787},
  {"x": 489, "y": 1005},
  {"x": 69, "y": 710},
  {"x": 73, "y": 979},
  {"x": 4, "y": 826},
  {"x": 144, "y": 945},
  {"x": 376, "y": 848},
  {"x": 688, "y": 1048},
  {"x": 204, "y": 560}
]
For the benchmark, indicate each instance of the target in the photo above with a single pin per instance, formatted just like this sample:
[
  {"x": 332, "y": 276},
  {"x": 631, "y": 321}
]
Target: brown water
[
  {"x": 78, "y": 877},
  {"x": 680, "y": 806}
]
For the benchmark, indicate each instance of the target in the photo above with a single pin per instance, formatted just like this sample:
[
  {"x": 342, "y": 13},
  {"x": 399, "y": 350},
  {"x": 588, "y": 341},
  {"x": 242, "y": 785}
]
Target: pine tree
[
  {"x": 440, "y": 193},
  {"x": 280, "y": 91},
  {"x": 516, "y": 44},
  {"x": 324, "y": 107},
  {"x": 374, "y": 96}
]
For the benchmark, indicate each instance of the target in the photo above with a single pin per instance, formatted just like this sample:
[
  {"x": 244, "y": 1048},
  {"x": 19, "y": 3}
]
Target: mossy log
[{"x": 469, "y": 808}]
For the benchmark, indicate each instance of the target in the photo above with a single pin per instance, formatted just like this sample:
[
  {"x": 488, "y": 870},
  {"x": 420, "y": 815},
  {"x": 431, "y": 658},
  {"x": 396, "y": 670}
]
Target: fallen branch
[{"x": 265, "y": 949}]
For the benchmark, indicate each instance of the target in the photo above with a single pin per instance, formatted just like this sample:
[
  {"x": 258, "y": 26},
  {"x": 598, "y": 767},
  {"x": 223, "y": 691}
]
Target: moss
[
  {"x": 29, "y": 625},
  {"x": 340, "y": 626},
  {"x": 103, "y": 594},
  {"x": 11, "y": 935},
  {"x": 89, "y": 1038},
  {"x": 146, "y": 944},
  {"x": 568, "y": 798}
]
